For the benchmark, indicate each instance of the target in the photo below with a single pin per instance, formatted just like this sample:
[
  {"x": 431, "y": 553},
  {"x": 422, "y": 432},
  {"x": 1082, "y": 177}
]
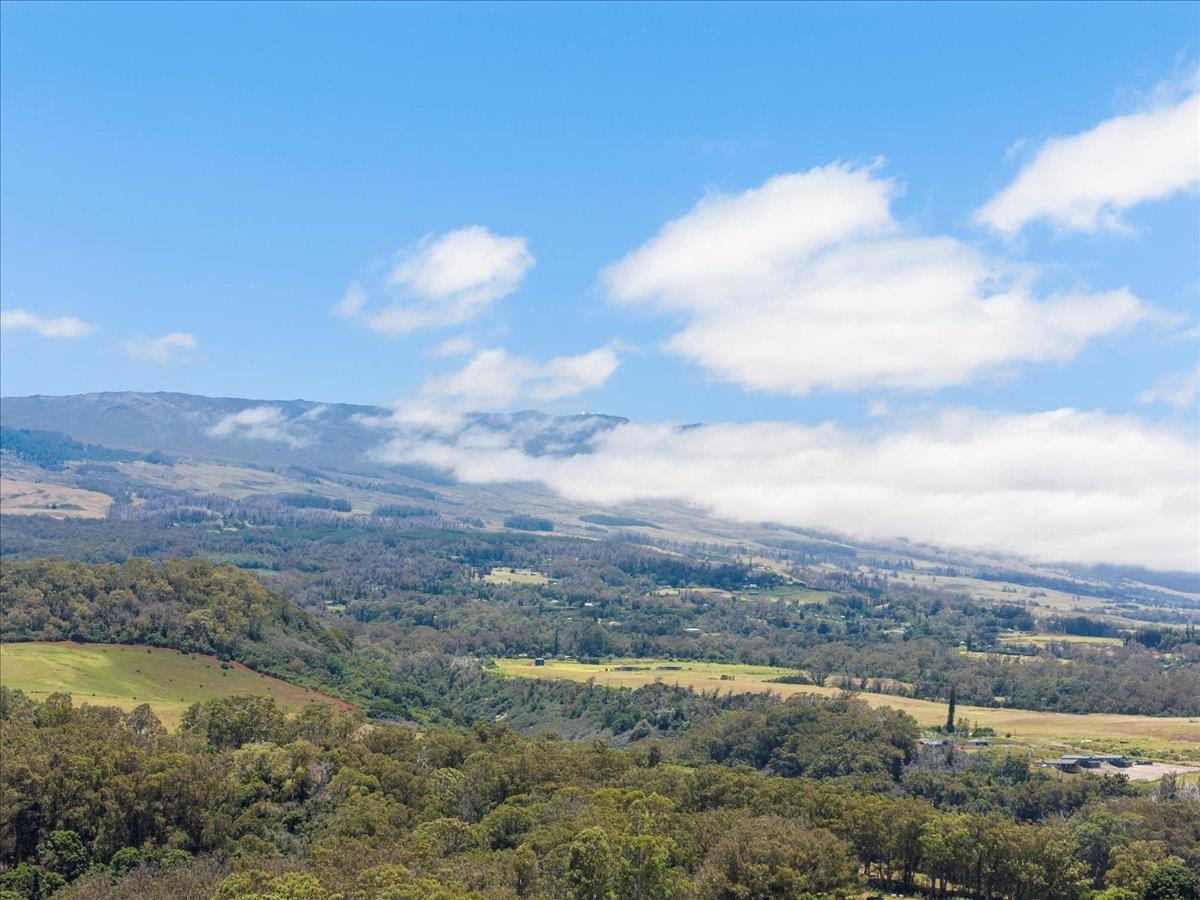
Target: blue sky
[{"x": 215, "y": 177}]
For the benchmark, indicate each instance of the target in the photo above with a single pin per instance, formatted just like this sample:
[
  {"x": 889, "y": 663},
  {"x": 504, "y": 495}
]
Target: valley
[{"x": 296, "y": 606}]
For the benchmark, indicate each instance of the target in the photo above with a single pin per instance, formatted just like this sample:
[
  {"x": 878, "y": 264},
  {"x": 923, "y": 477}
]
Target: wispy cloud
[
  {"x": 445, "y": 280},
  {"x": 64, "y": 327},
  {"x": 1084, "y": 182},
  {"x": 494, "y": 379},
  {"x": 1063, "y": 485},
  {"x": 455, "y": 346},
  {"x": 160, "y": 349},
  {"x": 265, "y": 423},
  {"x": 1179, "y": 389},
  {"x": 808, "y": 282}
]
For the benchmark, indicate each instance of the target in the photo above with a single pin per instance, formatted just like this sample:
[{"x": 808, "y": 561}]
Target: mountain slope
[{"x": 337, "y": 436}]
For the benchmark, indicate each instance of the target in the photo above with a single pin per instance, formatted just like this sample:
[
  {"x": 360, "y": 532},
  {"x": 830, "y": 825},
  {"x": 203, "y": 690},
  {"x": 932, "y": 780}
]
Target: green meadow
[{"x": 124, "y": 676}]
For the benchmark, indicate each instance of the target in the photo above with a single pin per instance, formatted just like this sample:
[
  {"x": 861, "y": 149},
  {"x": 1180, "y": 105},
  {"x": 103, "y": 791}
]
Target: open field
[
  {"x": 993, "y": 591},
  {"x": 1174, "y": 738},
  {"x": 1155, "y": 771},
  {"x": 126, "y": 676},
  {"x": 29, "y": 498},
  {"x": 1041, "y": 640},
  {"x": 675, "y": 592},
  {"x": 505, "y": 575},
  {"x": 1042, "y": 602},
  {"x": 790, "y": 593},
  {"x": 240, "y": 482}
]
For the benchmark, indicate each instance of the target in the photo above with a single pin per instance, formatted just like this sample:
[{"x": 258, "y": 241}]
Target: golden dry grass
[
  {"x": 29, "y": 498},
  {"x": 1176, "y": 737},
  {"x": 1041, "y": 640},
  {"x": 505, "y": 575}
]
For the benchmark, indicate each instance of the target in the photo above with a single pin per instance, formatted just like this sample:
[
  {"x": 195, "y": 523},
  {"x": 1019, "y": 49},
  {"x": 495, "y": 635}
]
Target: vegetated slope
[
  {"x": 409, "y": 590},
  {"x": 809, "y": 798},
  {"x": 305, "y": 433},
  {"x": 51, "y": 449},
  {"x": 195, "y": 606},
  {"x": 168, "y": 681}
]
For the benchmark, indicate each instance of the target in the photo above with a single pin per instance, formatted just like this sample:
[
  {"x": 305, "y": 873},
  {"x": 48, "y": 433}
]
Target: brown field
[
  {"x": 26, "y": 498},
  {"x": 1174, "y": 738}
]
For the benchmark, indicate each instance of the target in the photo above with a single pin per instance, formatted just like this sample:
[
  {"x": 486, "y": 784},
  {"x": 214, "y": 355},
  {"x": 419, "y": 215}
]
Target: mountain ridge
[
  {"x": 283, "y": 436},
  {"x": 244, "y": 430}
]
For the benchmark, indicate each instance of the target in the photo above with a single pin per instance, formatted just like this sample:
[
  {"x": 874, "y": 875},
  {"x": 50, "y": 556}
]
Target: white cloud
[
  {"x": 1085, "y": 181},
  {"x": 351, "y": 303},
  {"x": 264, "y": 423},
  {"x": 1178, "y": 389},
  {"x": 455, "y": 346},
  {"x": 808, "y": 282},
  {"x": 494, "y": 379},
  {"x": 1062, "y": 485},
  {"x": 443, "y": 281},
  {"x": 159, "y": 349},
  {"x": 48, "y": 327},
  {"x": 752, "y": 242}
]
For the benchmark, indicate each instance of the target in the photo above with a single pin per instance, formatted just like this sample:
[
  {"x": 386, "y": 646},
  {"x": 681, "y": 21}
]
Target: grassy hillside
[
  {"x": 198, "y": 607},
  {"x": 125, "y": 677}
]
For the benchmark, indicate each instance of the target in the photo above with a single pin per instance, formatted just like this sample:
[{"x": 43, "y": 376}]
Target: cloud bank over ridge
[{"x": 1063, "y": 485}]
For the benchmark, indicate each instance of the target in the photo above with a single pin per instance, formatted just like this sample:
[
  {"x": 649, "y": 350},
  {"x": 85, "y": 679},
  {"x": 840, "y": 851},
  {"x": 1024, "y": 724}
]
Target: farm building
[{"x": 1073, "y": 763}]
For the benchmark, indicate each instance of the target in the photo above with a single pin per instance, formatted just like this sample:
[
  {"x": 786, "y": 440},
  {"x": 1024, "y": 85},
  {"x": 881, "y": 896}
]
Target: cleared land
[
  {"x": 791, "y": 594},
  {"x": 240, "y": 482},
  {"x": 505, "y": 575},
  {"x": 1041, "y": 640},
  {"x": 1170, "y": 737},
  {"x": 1155, "y": 771},
  {"x": 29, "y": 498},
  {"x": 127, "y": 676}
]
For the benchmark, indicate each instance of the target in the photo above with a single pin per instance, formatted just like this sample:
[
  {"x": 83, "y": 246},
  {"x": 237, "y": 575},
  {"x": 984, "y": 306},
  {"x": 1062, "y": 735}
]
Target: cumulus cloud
[
  {"x": 1179, "y": 389},
  {"x": 160, "y": 349},
  {"x": 48, "y": 327},
  {"x": 808, "y": 282},
  {"x": 265, "y": 423},
  {"x": 495, "y": 379},
  {"x": 1084, "y": 182},
  {"x": 445, "y": 280},
  {"x": 1063, "y": 485}
]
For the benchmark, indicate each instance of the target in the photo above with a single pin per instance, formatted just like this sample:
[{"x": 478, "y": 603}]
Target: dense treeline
[
  {"x": 246, "y": 802},
  {"x": 314, "y": 501},
  {"x": 52, "y": 449},
  {"x": 529, "y": 523}
]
